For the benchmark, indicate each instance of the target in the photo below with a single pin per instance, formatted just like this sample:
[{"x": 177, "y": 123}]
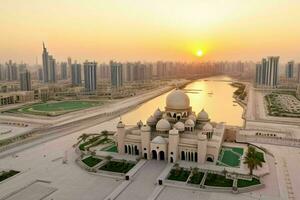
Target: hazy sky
[{"x": 149, "y": 30}]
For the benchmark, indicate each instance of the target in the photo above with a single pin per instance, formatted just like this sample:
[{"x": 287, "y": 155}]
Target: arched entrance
[
  {"x": 154, "y": 155},
  {"x": 209, "y": 159},
  {"x": 161, "y": 155},
  {"x": 145, "y": 155},
  {"x": 171, "y": 160}
]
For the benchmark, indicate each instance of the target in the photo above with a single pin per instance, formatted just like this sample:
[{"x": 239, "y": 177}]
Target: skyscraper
[
  {"x": 25, "y": 81},
  {"x": 11, "y": 71},
  {"x": 40, "y": 74},
  {"x": 289, "y": 70},
  {"x": 76, "y": 74},
  {"x": 49, "y": 72},
  {"x": 63, "y": 70},
  {"x": 90, "y": 74},
  {"x": 267, "y": 72},
  {"x": 116, "y": 74}
]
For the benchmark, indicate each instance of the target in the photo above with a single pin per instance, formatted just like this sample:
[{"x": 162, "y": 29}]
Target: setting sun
[{"x": 199, "y": 53}]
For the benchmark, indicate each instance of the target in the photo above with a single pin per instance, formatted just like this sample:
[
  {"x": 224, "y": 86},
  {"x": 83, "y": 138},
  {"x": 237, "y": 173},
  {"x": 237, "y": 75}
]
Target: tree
[{"x": 253, "y": 159}]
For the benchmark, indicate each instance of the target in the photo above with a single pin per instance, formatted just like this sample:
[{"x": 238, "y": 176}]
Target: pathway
[{"x": 144, "y": 182}]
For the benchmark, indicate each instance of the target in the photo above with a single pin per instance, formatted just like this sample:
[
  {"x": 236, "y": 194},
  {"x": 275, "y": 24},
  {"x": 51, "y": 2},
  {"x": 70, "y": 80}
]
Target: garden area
[
  {"x": 118, "y": 166},
  {"x": 283, "y": 105},
  {"x": 179, "y": 174},
  {"x": 91, "y": 161},
  {"x": 217, "y": 180},
  {"x": 86, "y": 141},
  {"x": 196, "y": 177},
  {"x": 7, "y": 174},
  {"x": 246, "y": 183},
  {"x": 55, "y": 108}
]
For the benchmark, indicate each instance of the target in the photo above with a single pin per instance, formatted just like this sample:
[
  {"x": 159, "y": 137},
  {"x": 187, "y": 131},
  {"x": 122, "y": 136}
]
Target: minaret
[
  {"x": 173, "y": 145},
  {"x": 121, "y": 137},
  {"x": 202, "y": 148},
  {"x": 145, "y": 141}
]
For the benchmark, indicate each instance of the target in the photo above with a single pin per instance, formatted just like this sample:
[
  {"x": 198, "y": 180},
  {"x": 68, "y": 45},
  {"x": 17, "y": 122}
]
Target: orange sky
[{"x": 150, "y": 30}]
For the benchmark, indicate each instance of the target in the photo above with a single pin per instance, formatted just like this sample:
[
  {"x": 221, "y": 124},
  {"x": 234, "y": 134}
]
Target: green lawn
[
  {"x": 116, "y": 166},
  {"x": 55, "y": 108},
  {"x": 246, "y": 183},
  {"x": 91, "y": 161},
  {"x": 112, "y": 148},
  {"x": 179, "y": 175},
  {"x": 196, "y": 178},
  {"x": 218, "y": 181},
  {"x": 6, "y": 174}
]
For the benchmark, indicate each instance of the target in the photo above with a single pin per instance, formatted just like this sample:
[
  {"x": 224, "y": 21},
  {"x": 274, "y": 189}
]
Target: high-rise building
[
  {"x": 289, "y": 70},
  {"x": 2, "y": 73},
  {"x": 76, "y": 74},
  {"x": 25, "y": 81},
  {"x": 116, "y": 74},
  {"x": 90, "y": 75},
  {"x": 69, "y": 67},
  {"x": 267, "y": 72},
  {"x": 11, "y": 71},
  {"x": 63, "y": 70},
  {"x": 49, "y": 72},
  {"x": 52, "y": 70},
  {"x": 40, "y": 74}
]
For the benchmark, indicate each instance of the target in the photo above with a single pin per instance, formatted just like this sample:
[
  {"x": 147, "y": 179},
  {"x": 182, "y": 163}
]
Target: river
[{"x": 214, "y": 94}]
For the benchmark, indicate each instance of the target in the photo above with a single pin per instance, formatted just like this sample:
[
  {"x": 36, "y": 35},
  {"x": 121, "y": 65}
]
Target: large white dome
[
  {"x": 177, "y": 99},
  {"x": 163, "y": 125}
]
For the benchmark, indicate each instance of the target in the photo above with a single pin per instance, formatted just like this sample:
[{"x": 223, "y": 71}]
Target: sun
[{"x": 199, "y": 53}]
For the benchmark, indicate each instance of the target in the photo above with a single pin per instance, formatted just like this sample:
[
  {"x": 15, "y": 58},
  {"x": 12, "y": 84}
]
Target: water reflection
[{"x": 214, "y": 94}]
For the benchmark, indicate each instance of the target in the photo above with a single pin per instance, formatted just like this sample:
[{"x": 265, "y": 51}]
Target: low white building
[{"x": 173, "y": 134}]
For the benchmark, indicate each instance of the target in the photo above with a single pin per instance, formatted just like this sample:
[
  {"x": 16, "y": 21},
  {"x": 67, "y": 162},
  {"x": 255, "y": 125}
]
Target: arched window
[
  {"x": 196, "y": 157},
  {"x": 125, "y": 148},
  {"x": 189, "y": 156},
  {"x": 192, "y": 156}
]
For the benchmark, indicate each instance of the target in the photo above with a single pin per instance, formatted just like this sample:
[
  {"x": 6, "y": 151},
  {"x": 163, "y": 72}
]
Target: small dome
[
  {"x": 146, "y": 128},
  {"x": 207, "y": 127},
  {"x": 179, "y": 126},
  {"x": 163, "y": 125},
  {"x": 173, "y": 132},
  {"x": 192, "y": 117},
  {"x": 151, "y": 120},
  {"x": 177, "y": 99},
  {"x": 159, "y": 140},
  {"x": 157, "y": 114},
  {"x": 203, "y": 116},
  {"x": 189, "y": 123},
  {"x": 120, "y": 124}
]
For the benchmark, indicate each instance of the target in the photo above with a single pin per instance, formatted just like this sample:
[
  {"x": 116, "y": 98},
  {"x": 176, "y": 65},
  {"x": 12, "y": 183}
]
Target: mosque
[{"x": 174, "y": 134}]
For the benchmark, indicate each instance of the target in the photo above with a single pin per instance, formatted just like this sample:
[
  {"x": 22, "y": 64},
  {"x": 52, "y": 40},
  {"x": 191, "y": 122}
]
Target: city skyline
[{"x": 150, "y": 31}]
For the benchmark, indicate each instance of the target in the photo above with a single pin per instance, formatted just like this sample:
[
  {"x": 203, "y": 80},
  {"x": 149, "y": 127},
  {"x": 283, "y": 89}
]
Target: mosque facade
[{"x": 176, "y": 133}]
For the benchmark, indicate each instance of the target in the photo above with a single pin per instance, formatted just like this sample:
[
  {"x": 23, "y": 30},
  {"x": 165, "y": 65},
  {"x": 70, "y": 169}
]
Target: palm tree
[
  {"x": 253, "y": 159},
  {"x": 83, "y": 137}
]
